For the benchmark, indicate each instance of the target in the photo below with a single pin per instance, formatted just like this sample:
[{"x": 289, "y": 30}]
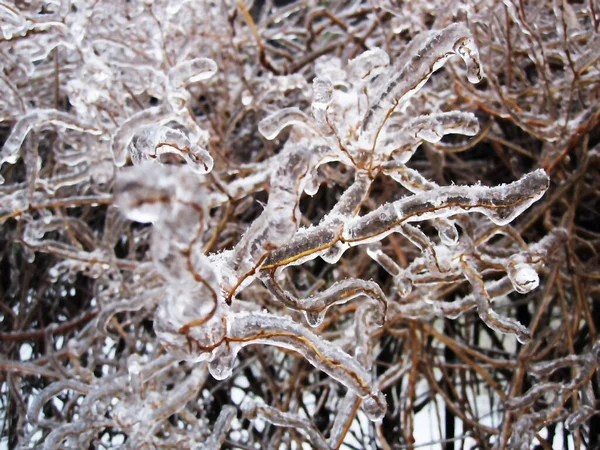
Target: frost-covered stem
[{"x": 501, "y": 204}]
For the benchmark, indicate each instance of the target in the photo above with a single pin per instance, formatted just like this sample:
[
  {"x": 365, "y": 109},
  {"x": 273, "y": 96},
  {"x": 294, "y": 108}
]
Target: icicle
[{"x": 222, "y": 361}]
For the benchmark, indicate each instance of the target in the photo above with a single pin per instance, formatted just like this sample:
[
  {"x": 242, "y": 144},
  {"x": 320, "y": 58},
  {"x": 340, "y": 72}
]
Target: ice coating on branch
[
  {"x": 281, "y": 332},
  {"x": 192, "y": 71},
  {"x": 501, "y": 204},
  {"x": 36, "y": 119},
  {"x": 369, "y": 64},
  {"x": 221, "y": 427},
  {"x": 576, "y": 419},
  {"x": 13, "y": 203},
  {"x": 315, "y": 307},
  {"x": 150, "y": 142},
  {"x": 271, "y": 126},
  {"x": 440, "y": 45},
  {"x": 403, "y": 143},
  {"x": 280, "y": 218},
  {"x": 491, "y": 318},
  {"x": 261, "y": 267},
  {"x": 286, "y": 419}
]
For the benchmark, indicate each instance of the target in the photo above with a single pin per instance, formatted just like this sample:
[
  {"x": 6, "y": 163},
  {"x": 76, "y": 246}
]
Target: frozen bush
[{"x": 245, "y": 224}]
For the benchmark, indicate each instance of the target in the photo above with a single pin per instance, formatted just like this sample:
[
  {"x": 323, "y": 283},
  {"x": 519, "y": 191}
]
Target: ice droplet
[
  {"x": 312, "y": 184},
  {"x": 313, "y": 318},
  {"x": 221, "y": 367},
  {"x": 246, "y": 98},
  {"x": 447, "y": 232},
  {"x": 334, "y": 253},
  {"x": 375, "y": 406}
]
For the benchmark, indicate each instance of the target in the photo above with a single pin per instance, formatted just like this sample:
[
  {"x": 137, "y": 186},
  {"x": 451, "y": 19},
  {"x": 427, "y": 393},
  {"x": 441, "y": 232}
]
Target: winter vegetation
[{"x": 310, "y": 224}]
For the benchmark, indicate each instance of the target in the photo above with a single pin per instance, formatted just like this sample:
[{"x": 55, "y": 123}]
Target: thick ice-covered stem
[
  {"x": 491, "y": 318},
  {"x": 316, "y": 306},
  {"x": 38, "y": 118},
  {"x": 272, "y": 125},
  {"x": 192, "y": 71},
  {"x": 221, "y": 428},
  {"x": 127, "y": 129},
  {"x": 439, "y": 46},
  {"x": 500, "y": 203},
  {"x": 267, "y": 329},
  {"x": 150, "y": 142},
  {"x": 288, "y": 420}
]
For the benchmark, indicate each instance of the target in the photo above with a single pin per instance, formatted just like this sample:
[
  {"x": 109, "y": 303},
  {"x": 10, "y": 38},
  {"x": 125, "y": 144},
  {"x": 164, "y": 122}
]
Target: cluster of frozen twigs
[{"x": 252, "y": 225}]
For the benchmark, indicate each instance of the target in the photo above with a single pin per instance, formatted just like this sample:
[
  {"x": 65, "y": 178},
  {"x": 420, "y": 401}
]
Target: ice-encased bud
[
  {"x": 447, "y": 232},
  {"x": 122, "y": 137},
  {"x": 144, "y": 193},
  {"x": 148, "y": 192},
  {"x": 523, "y": 277},
  {"x": 36, "y": 119}
]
